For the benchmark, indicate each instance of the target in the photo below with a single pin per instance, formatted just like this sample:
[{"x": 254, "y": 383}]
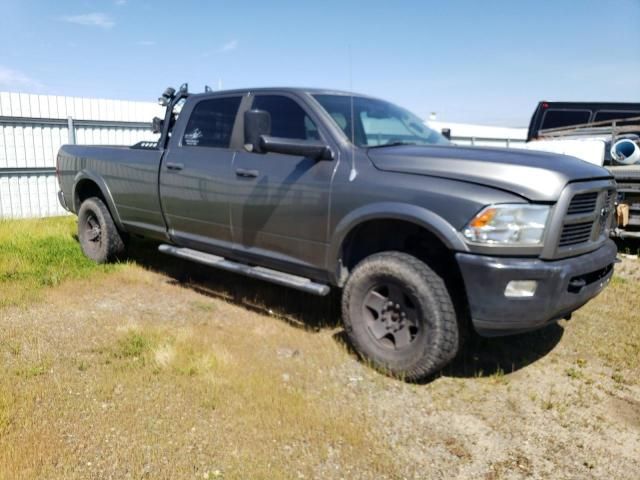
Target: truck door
[
  {"x": 195, "y": 174},
  {"x": 280, "y": 203}
]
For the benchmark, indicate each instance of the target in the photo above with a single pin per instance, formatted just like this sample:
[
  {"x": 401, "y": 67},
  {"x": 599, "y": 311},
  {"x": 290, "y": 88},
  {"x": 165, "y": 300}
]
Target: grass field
[
  {"x": 39, "y": 253},
  {"x": 155, "y": 368}
]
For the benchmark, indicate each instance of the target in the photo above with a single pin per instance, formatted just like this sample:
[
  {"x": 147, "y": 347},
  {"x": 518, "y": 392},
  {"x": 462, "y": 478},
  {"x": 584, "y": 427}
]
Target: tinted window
[
  {"x": 368, "y": 122},
  {"x": 564, "y": 118},
  {"x": 211, "y": 123},
  {"x": 611, "y": 115},
  {"x": 288, "y": 119}
]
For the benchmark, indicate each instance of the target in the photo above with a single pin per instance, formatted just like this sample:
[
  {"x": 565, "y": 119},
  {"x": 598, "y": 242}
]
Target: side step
[{"x": 273, "y": 276}]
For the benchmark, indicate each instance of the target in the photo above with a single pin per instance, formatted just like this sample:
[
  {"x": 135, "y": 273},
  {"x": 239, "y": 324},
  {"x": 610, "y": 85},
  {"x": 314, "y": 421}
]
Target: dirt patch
[{"x": 136, "y": 375}]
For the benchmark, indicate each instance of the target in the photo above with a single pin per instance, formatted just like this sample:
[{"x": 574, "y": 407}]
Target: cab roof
[{"x": 295, "y": 90}]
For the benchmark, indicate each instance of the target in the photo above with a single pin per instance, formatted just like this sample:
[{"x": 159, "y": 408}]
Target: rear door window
[
  {"x": 211, "y": 123},
  {"x": 556, "y": 118}
]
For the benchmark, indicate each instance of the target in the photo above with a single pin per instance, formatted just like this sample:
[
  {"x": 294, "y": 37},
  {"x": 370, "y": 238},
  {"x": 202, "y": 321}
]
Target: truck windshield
[{"x": 376, "y": 123}]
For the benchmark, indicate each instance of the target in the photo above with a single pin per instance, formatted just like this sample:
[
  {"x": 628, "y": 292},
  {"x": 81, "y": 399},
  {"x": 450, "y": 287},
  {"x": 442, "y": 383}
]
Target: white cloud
[
  {"x": 96, "y": 19},
  {"x": 15, "y": 80},
  {"x": 120, "y": 3},
  {"x": 229, "y": 46},
  {"x": 146, "y": 43}
]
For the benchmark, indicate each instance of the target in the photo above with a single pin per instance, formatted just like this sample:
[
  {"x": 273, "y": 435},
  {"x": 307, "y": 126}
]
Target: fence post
[{"x": 71, "y": 131}]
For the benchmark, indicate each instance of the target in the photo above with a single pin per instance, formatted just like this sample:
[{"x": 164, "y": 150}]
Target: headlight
[{"x": 508, "y": 225}]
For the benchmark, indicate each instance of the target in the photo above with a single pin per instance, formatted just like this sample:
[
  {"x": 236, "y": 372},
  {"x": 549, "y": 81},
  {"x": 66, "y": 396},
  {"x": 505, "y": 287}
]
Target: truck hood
[{"x": 537, "y": 176}]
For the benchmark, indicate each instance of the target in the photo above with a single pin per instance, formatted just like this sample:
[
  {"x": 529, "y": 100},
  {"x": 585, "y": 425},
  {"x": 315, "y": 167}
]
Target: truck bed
[{"x": 129, "y": 176}]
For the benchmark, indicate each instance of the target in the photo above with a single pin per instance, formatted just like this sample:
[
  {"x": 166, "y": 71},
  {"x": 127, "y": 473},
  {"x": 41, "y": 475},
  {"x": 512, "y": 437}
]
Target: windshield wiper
[{"x": 393, "y": 144}]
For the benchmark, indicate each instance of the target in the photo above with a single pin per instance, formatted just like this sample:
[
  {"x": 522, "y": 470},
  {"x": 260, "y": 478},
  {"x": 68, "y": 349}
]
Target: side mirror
[
  {"x": 157, "y": 124},
  {"x": 446, "y": 133},
  {"x": 256, "y": 124},
  {"x": 293, "y": 146}
]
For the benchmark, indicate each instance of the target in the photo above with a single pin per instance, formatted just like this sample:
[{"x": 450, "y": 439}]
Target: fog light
[{"x": 521, "y": 288}]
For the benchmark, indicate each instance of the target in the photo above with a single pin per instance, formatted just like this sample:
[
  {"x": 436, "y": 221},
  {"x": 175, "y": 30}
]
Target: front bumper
[
  {"x": 62, "y": 200},
  {"x": 563, "y": 286}
]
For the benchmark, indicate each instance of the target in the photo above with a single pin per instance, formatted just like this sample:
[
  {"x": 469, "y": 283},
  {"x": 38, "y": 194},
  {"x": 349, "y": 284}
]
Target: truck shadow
[
  {"x": 480, "y": 357},
  {"x": 299, "y": 309},
  {"x": 483, "y": 357},
  {"x": 629, "y": 246}
]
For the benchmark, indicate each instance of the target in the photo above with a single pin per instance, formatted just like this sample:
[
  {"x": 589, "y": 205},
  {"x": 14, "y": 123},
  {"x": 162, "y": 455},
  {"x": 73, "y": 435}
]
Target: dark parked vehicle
[
  {"x": 552, "y": 115},
  {"x": 316, "y": 189},
  {"x": 617, "y": 126}
]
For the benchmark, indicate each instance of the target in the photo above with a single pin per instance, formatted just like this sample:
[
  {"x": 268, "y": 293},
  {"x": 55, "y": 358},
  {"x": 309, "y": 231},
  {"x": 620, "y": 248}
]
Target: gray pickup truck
[{"x": 315, "y": 189}]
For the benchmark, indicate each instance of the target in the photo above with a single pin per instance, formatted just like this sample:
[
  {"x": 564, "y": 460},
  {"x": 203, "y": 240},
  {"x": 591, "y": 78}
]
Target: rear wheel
[
  {"x": 99, "y": 237},
  {"x": 398, "y": 314}
]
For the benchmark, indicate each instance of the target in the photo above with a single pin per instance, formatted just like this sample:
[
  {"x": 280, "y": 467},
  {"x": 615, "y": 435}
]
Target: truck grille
[
  {"x": 588, "y": 217},
  {"x": 583, "y": 203},
  {"x": 575, "y": 233}
]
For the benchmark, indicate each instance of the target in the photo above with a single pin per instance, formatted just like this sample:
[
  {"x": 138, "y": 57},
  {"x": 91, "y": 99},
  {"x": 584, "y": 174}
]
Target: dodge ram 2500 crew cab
[{"x": 315, "y": 189}]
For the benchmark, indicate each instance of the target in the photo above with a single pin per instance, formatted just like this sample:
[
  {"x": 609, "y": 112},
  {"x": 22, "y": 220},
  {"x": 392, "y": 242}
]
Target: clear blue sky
[{"x": 475, "y": 61}]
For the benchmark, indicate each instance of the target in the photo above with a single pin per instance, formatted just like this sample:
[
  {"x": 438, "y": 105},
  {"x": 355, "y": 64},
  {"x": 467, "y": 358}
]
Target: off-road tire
[
  {"x": 99, "y": 237},
  {"x": 434, "y": 341}
]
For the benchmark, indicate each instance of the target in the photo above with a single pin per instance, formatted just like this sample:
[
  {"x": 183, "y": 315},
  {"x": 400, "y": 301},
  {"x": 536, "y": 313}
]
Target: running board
[{"x": 273, "y": 276}]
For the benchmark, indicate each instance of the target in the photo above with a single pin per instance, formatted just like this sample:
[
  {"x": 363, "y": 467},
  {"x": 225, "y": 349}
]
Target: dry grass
[
  {"x": 612, "y": 334},
  {"x": 174, "y": 401},
  {"x": 133, "y": 375},
  {"x": 168, "y": 390}
]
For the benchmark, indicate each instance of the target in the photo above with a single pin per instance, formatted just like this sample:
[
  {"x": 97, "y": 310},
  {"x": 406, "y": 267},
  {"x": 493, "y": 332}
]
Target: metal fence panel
[
  {"x": 487, "y": 142},
  {"x": 31, "y": 194},
  {"x": 34, "y": 127}
]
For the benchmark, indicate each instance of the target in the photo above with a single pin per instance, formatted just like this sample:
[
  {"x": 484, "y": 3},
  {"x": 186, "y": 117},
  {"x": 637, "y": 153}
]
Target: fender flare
[
  {"x": 419, "y": 216},
  {"x": 83, "y": 175}
]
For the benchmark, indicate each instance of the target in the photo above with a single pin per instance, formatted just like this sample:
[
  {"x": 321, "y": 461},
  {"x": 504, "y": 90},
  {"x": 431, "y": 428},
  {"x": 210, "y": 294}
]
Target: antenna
[{"x": 353, "y": 173}]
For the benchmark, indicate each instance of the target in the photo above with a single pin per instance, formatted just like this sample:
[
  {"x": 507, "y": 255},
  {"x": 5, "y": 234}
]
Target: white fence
[
  {"x": 482, "y": 135},
  {"x": 32, "y": 129}
]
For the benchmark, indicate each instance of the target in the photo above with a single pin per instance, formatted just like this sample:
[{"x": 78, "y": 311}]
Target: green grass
[
  {"x": 133, "y": 345},
  {"x": 39, "y": 253},
  {"x": 35, "y": 370}
]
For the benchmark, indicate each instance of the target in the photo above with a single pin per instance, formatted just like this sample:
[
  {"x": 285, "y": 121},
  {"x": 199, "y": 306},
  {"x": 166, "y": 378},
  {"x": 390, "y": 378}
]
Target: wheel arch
[
  {"x": 87, "y": 184},
  {"x": 392, "y": 214}
]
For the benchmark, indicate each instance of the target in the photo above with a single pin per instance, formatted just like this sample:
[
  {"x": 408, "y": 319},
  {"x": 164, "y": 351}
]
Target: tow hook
[{"x": 577, "y": 284}]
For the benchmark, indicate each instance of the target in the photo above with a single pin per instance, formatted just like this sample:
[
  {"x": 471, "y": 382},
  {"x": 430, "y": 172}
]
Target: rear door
[
  {"x": 280, "y": 203},
  {"x": 195, "y": 175}
]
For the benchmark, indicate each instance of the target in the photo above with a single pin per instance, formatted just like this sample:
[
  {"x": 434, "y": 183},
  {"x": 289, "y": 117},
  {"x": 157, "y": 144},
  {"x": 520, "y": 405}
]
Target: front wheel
[
  {"x": 99, "y": 237},
  {"x": 398, "y": 314}
]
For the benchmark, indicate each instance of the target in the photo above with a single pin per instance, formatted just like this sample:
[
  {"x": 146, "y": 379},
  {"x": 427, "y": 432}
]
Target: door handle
[
  {"x": 241, "y": 172},
  {"x": 175, "y": 166}
]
